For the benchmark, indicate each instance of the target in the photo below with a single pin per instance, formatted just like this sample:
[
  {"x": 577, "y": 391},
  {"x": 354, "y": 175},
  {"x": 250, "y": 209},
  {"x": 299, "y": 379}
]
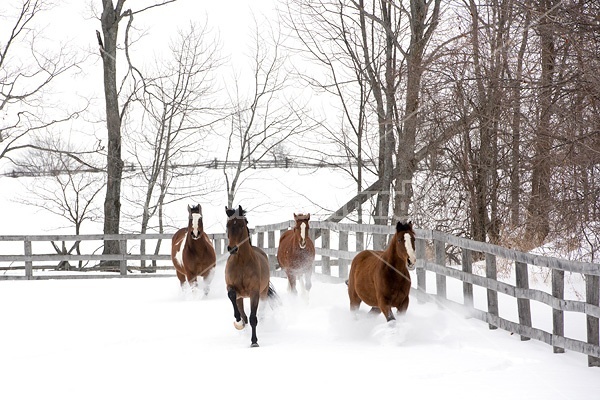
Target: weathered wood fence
[{"x": 336, "y": 245}]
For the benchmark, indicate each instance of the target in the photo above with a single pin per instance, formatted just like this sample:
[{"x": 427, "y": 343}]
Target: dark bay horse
[
  {"x": 192, "y": 252},
  {"x": 246, "y": 272},
  {"x": 296, "y": 253},
  {"x": 381, "y": 278}
]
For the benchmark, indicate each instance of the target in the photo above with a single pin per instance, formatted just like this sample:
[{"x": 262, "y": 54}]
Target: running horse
[
  {"x": 246, "y": 272},
  {"x": 296, "y": 253},
  {"x": 381, "y": 278},
  {"x": 192, "y": 252}
]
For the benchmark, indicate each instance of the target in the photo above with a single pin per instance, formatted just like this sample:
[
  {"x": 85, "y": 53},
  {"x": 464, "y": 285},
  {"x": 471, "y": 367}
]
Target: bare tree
[
  {"x": 28, "y": 70},
  {"x": 111, "y": 18},
  {"x": 265, "y": 118},
  {"x": 63, "y": 186},
  {"x": 179, "y": 107}
]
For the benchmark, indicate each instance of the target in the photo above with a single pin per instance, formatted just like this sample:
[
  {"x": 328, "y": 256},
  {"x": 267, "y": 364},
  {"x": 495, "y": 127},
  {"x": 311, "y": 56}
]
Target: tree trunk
[
  {"x": 421, "y": 32},
  {"x": 538, "y": 209},
  {"x": 110, "y": 19}
]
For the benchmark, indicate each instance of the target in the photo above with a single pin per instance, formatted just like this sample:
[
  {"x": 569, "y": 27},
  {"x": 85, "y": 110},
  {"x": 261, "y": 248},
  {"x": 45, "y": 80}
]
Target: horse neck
[{"x": 244, "y": 246}]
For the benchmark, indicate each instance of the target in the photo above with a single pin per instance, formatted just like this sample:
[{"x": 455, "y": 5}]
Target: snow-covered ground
[{"x": 145, "y": 339}]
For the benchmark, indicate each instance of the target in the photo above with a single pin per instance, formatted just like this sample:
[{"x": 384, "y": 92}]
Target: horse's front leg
[
  {"x": 238, "y": 323},
  {"x": 207, "y": 280},
  {"x": 253, "y": 318},
  {"x": 291, "y": 281},
  {"x": 308, "y": 279},
  {"x": 386, "y": 309}
]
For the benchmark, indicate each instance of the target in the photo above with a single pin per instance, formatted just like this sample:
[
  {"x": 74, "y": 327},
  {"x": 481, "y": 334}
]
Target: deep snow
[{"x": 145, "y": 339}]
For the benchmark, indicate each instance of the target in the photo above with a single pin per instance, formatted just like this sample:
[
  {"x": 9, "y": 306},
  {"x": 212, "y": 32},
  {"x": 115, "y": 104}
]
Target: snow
[{"x": 145, "y": 339}]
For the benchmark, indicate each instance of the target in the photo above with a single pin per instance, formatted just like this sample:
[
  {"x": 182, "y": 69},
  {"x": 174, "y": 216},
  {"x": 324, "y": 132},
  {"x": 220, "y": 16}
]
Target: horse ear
[
  {"x": 398, "y": 226},
  {"x": 242, "y": 211},
  {"x": 295, "y": 217},
  {"x": 189, "y": 209},
  {"x": 308, "y": 215},
  {"x": 229, "y": 211}
]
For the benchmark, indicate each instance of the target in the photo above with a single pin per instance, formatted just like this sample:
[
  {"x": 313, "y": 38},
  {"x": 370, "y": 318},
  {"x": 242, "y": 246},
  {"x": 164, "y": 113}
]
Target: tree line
[{"x": 477, "y": 118}]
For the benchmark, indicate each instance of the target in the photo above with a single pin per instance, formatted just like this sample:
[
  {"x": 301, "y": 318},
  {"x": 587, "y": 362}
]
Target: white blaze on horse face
[
  {"x": 195, "y": 218},
  {"x": 303, "y": 235},
  {"x": 412, "y": 257}
]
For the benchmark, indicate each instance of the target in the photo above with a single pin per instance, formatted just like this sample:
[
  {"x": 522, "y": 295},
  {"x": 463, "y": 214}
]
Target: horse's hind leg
[
  {"x": 354, "y": 298},
  {"x": 254, "y": 299},
  {"x": 403, "y": 306}
]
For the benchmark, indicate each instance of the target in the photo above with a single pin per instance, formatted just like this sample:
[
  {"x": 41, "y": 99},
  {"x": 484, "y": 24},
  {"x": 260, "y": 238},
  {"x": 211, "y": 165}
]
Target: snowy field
[{"x": 145, "y": 339}]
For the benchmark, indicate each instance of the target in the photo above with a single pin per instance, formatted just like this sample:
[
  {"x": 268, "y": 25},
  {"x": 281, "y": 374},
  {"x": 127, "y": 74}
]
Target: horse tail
[{"x": 272, "y": 295}]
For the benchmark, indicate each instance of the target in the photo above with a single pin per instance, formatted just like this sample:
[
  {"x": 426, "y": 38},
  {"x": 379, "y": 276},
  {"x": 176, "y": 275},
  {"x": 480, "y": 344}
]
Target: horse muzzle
[
  {"x": 411, "y": 264},
  {"x": 302, "y": 244},
  {"x": 232, "y": 250}
]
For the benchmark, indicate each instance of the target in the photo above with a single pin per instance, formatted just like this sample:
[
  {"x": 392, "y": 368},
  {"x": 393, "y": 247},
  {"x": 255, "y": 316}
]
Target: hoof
[
  {"x": 254, "y": 345},
  {"x": 239, "y": 325}
]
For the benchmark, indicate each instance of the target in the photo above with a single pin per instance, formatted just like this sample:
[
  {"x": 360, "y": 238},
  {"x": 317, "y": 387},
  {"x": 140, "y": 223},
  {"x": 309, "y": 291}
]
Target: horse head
[
  {"x": 237, "y": 228},
  {"x": 302, "y": 226},
  {"x": 405, "y": 243},
  {"x": 195, "y": 226}
]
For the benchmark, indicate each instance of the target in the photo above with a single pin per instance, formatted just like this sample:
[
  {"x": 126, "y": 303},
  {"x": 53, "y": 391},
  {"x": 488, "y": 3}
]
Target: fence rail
[{"x": 333, "y": 261}]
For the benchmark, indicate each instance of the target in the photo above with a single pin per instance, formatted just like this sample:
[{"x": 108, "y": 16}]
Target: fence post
[
  {"x": 217, "y": 243},
  {"x": 467, "y": 267},
  {"x": 421, "y": 278},
  {"x": 523, "y": 305},
  {"x": 28, "y": 264},
  {"x": 492, "y": 295},
  {"x": 558, "y": 319},
  {"x": 325, "y": 261},
  {"x": 260, "y": 240},
  {"x": 123, "y": 261},
  {"x": 271, "y": 243},
  {"x": 440, "y": 259},
  {"x": 592, "y": 289},
  {"x": 360, "y": 241},
  {"x": 342, "y": 262}
]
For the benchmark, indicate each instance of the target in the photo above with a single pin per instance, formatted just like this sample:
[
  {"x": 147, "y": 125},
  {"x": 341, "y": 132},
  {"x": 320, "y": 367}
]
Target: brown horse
[
  {"x": 296, "y": 253},
  {"x": 246, "y": 272},
  {"x": 192, "y": 252},
  {"x": 381, "y": 278}
]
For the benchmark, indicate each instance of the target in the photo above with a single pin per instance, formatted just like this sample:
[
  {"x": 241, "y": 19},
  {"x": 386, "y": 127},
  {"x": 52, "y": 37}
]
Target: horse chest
[{"x": 392, "y": 282}]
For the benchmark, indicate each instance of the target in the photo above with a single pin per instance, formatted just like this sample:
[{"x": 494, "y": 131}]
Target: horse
[
  {"x": 246, "y": 272},
  {"x": 296, "y": 253},
  {"x": 381, "y": 278},
  {"x": 192, "y": 252}
]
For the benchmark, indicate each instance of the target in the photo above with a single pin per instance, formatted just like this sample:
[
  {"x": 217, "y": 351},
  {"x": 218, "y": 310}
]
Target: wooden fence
[{"x": 336, "y": 245}]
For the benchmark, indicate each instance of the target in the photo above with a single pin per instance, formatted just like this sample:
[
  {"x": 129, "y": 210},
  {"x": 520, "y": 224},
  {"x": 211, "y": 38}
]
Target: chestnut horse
[
  {"x": 296, "y": 253},
  {"x": 381, "y": 278},
  {"x": 246, "y": 272},
  {"x": 192, "y": 252}
]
